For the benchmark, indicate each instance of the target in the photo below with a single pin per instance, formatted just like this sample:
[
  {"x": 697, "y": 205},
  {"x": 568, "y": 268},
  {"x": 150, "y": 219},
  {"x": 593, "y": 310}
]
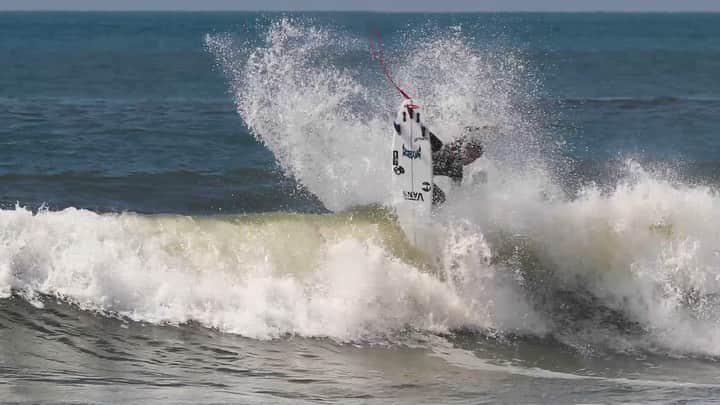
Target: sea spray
[{"x": 330, "y": 127}]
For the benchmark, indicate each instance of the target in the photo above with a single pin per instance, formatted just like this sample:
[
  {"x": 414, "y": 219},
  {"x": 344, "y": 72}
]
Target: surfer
[{"x": 449, "y": 159}]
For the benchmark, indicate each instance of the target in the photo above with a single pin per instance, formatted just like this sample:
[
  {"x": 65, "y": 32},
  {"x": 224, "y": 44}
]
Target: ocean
[{"x": 194, "y": 209}]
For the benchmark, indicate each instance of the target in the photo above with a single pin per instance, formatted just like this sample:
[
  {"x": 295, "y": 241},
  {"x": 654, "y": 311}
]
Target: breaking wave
[{"x": 261, "y": 276}]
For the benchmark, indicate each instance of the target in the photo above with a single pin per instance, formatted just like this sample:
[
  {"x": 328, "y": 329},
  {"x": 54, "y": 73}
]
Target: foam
[{"x": 341, "y": 282}]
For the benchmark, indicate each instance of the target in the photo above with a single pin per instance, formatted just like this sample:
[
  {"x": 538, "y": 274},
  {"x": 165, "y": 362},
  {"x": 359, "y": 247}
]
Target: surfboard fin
[{"x": 397, "y": 127}]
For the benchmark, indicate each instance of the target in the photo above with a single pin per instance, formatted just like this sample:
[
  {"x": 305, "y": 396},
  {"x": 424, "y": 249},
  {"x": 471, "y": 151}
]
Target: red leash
[{"x": 377, "y": 55}]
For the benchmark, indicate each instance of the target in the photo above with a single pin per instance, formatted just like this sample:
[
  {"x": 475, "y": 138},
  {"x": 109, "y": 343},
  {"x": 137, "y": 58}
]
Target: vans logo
[{"x": 413, "y": 195}]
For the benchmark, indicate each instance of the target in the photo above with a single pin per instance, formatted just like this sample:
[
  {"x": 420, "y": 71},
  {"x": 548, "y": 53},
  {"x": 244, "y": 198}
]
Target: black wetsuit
[{"x": 447, "y": 161}]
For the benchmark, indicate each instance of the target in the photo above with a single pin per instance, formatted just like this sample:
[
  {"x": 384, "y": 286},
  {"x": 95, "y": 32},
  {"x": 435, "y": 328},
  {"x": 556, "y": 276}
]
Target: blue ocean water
[{"x": 190, "y": 209}]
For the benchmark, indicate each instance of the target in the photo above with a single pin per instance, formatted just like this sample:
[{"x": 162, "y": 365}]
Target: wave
[
  {"x": 258, "y": 275},
  {"x": 632, "y": 269}
]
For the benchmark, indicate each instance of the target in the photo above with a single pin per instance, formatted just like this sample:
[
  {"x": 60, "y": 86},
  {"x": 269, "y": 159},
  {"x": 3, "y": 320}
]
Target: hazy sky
[{"x": 375, "y": 5}]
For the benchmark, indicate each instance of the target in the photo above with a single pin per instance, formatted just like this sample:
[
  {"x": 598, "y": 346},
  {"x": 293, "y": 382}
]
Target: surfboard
[{"x": 412, "y": 184}]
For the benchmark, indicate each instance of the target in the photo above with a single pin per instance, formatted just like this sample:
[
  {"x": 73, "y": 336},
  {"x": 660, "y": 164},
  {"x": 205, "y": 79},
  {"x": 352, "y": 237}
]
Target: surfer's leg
[{"x": 438, "y": 195}]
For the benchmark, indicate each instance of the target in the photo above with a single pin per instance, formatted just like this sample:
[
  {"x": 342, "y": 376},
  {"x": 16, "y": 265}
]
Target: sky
[{"x": 368, "y": 5}]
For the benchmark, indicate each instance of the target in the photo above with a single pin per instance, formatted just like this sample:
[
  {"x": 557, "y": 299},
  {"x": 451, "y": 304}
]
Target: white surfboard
[{"x": 412, "y": 174}]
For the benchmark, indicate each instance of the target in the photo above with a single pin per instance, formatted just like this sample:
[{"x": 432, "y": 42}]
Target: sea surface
[{"x": 194, "y": 209}]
